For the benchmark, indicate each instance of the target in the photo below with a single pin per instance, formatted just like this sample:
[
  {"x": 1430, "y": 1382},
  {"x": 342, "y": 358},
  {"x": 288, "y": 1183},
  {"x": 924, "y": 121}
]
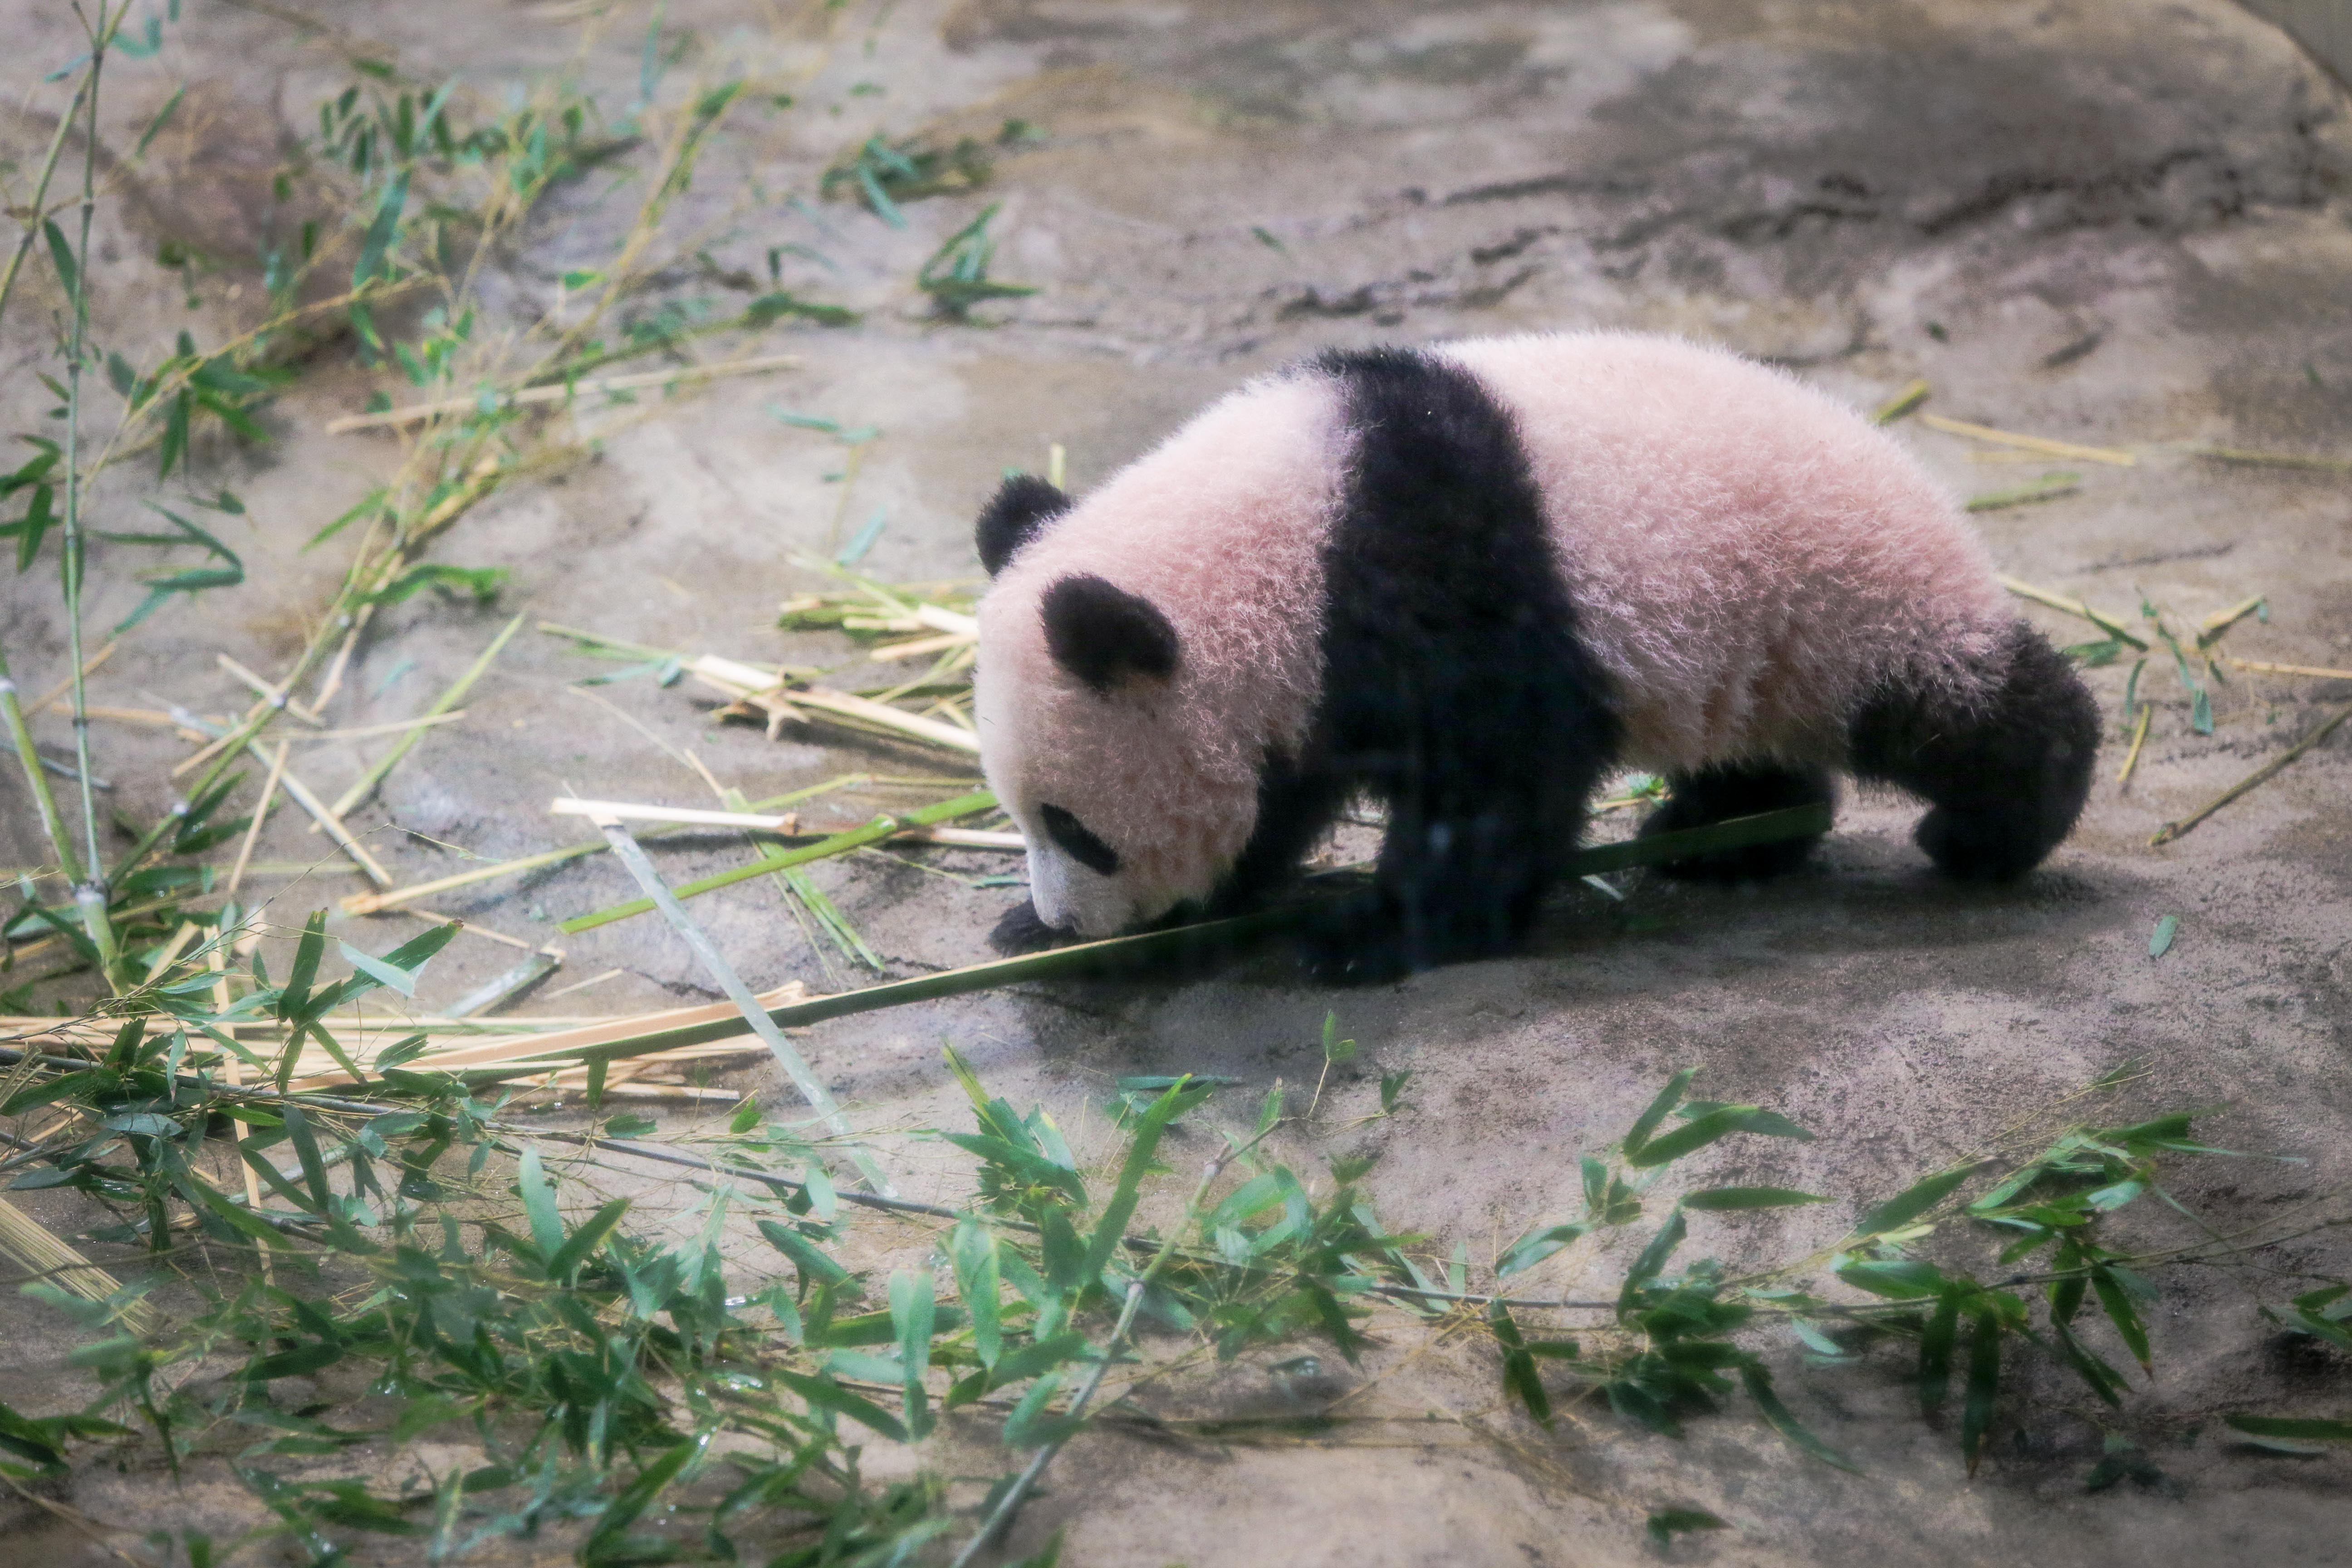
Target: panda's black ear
[
  {"x": 1102, "y": 634},
  {"x": 1018, "y": 512}
]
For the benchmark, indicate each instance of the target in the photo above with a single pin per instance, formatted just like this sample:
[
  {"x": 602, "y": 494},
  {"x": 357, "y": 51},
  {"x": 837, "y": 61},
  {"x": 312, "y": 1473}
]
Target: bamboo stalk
[
  {"x": 327, "y": 818},
  {"x": 372, "y": 903},
  {"x": 2107, "y": 455},
  {"x": 274, "y": 696},
  {"x": 2262, "y": 666},
  {"x": 28, "y": 755},
  {"x": 394, "y": 726},
  {"x": 260, "y": 815},
  {"x": 2318, "y": 732},
  {"x": 448, "y": 700},
  {"x": 49, "y": 700},
  {"x": 2099, "y": 618},
  {"x": 743, "y": 681},
  {"x": 797, "y": 1067},
  {"x": 39, "y": 1251},
  {"x": 787, "y": 826},
  {"x": 1116, "y": 954},
  {"x": 839, "y": 843},
  {"x": 558, "y": 392},
  {"x": 2140, "y": 738},
  {"x": 1902, "y": 402},
  {"x": 2271, "y": 460},
  {"x": 2049, "y": 489}
]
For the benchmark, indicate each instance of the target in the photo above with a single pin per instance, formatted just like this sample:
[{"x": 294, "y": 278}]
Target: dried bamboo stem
[
  {"x": 2262, "y": 666},
  {"x": 2107, "y": 623},
  {"x": 260, "y": 815},
  {"x": 2318, "y": 732},
  {"x": 2107, "y": 455},
  {"x": 276, "y": 697},
  {"x": 559, "y": 392},
  {"x": 328, "y": 819}
]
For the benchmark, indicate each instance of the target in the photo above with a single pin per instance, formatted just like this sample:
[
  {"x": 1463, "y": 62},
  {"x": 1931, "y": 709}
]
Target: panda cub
[{"x": 1473, "y": 579}]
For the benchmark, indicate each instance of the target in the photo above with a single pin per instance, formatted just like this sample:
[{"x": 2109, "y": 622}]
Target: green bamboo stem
[
  {"x": 1115, "y": 954},
  {"x": 881, "y": 827},
  {"x": 73, "y": 545},
  {"x": 39, "y": 205},
  {"x": 52, "y": 822}
]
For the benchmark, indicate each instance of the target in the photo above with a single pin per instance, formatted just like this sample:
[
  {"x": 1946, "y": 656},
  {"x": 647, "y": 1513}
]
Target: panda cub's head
[{"x": 1093, "y": 732}]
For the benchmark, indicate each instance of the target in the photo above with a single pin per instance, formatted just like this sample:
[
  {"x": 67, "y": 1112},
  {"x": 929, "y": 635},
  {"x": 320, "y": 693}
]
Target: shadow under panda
[{"x": 1473, "y": 579}]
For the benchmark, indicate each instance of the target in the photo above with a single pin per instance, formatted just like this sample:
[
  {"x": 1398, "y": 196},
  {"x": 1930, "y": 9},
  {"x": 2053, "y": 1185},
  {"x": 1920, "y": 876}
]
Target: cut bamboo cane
[
  {"x": 2264, "y": 667},
  {"x": 881, "y": 827},
  {"x": 276, "y": 697},
  {"x": 2107, "y": 455},
  {"x": 37, "y": 1251},
  {"x": 328, "y": 819},
  {"x": 787, "y": 826},
  {"x": 2318, "y": 732},
  {"x": 797, "y": 1067},
  {"x": 260, "y": 815},
  {"x": 2107, "y": 623}
]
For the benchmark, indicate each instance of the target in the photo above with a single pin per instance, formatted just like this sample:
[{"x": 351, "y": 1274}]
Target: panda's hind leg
[
  {"x": 2006, "y": 769},
  {"x": 1712, "y": 794}
]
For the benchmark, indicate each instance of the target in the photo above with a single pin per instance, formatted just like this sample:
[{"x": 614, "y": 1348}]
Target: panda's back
[{"x": 1747, "y": 558}]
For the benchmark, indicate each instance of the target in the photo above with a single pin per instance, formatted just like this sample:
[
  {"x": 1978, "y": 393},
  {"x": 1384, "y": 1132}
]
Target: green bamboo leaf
[
  {"x": 2160, "y": 942},
  {"x": 154, "y": 127},
  {"x": 912, "y": 1312},
  {"x": 2110, "y": 1291},
  {"x": 2291, "y": 1428},
  {"x": 61, "y": 256},
  {"x": 824, "y": 1393},
  {"x": 1714, "y": 1199},
  {"x": 1519, "y": 1376},
  {"x": 1667, "y": 1523},
  {"x": 581, "y": 1243},
  {"x": 1692, "y": 1135},
  {"x": 1647, "y": 1123},
  {"x": 1909, "y": 1205},
  {"x": 314, "y": 1168},
  {"x": 607, "y": 1543},
  {"x": 174, "y": 445},
  {"x": 1758, "y": 1382},
  {"x": 1536, "y": 1245},
  {"x": 1937, "y": 1341},
  {"x": 539, "y": 1203},
  {"x": 381, "y": 231},
  {"x": 1898, "y": 1278},
  {"x": 1032, "y": 1425},
  {"x": 814, "y": 1266},
  {"x": 979, "y": 1279},
  {"x": 2104, "y": 1381},
  {"x": 1654, "y": 1258},
  {"x": 1984, "y": 1383},
  {"x": 1112, "y": 1226}
]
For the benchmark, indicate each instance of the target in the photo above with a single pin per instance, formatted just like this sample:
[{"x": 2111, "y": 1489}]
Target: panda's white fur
[{"x": 1747, "y": 558}]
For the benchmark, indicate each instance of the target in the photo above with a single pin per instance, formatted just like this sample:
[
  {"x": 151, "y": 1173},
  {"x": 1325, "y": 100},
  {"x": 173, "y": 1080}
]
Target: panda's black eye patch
[{"x": 1076, "y": 842}]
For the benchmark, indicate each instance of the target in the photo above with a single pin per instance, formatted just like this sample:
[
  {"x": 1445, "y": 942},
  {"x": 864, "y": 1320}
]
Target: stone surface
[{"x": 2119, "y": 223}]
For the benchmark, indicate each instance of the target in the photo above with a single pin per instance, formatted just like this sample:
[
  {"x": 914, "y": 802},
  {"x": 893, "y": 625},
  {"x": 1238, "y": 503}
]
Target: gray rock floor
[{"x": 2122, "y": 224}]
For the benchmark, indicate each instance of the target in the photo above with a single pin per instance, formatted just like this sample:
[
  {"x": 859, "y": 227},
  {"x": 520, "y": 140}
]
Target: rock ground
[{"x": 2122, "y": 224}]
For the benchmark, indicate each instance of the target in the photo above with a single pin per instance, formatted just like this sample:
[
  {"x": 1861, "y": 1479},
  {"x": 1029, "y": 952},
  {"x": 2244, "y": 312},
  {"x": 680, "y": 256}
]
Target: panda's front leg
[{"x": 1451, "y": 884}]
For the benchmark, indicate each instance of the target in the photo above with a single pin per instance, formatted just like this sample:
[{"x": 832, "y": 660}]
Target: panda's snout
[
  {"x": 1022, "y": 930},
  {"x": 1071, "y": 899}
]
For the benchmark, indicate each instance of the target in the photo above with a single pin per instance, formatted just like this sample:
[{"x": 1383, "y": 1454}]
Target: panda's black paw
[
  {"x": 1022, "y": 931},
  {"x": 1359, "y": 943}
]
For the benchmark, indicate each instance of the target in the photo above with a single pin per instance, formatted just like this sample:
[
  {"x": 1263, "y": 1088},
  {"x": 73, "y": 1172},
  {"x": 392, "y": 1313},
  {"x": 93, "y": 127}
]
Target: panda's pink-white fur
[{"x": 1746, "y": 559}]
